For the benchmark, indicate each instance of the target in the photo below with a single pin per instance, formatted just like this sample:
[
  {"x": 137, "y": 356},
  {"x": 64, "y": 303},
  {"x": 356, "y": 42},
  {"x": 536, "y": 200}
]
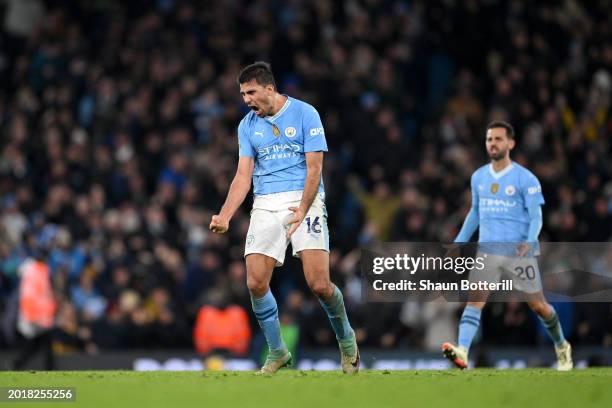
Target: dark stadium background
[{"x": 118, "y": 142}]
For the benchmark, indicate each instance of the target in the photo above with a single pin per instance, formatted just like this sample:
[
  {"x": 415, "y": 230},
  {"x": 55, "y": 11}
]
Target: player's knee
[
  {"x": 321, "y": 287},
  {"x": 257, "y": 287}
]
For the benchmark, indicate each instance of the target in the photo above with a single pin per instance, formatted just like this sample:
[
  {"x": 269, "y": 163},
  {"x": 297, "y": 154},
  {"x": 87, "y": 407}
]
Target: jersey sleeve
[
  {"x": 474, "y": 188},
  {"x": 532, "y": 191},
  {"x": 245, "y": 148},
  {"x": 472, "y": 220},
  {"x": 314, "y": 135}
]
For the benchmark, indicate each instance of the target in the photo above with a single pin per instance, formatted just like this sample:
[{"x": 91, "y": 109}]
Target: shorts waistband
[{"x": 282, "y": 201}]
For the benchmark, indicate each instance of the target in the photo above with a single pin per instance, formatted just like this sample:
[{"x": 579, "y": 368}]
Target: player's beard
[
  {"x": 498, "y": 155},
  {"x": 262, "y": 110}
]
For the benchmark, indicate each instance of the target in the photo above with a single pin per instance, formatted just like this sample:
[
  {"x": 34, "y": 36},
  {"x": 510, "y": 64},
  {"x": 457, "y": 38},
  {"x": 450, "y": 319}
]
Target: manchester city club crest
[
  {"x": 290, "y": 131},
  {"x": 250, "y": 239},
  {"x": 494, "y": 188}
]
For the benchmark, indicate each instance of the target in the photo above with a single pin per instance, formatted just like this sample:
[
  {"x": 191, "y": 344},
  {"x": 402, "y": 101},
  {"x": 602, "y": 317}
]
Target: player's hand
[
  {"x": 294, "y": 220},
  {"x": 523, "y": 249},
  {"x": 219, "y": 224},
  {"x": 453, "y": 250}
]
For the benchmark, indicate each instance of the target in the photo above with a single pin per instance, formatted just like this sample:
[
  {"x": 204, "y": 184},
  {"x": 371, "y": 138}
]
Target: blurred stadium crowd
[{"x": 118, "y": 142}]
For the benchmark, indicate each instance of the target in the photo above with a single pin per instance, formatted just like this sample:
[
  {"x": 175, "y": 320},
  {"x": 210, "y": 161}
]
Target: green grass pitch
[{"x": 290, "y": 388}]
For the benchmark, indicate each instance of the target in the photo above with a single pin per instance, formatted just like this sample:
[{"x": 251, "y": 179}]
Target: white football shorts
[
  {"x": 268, "y": 228},
  {"x": 523, "y": 271}
]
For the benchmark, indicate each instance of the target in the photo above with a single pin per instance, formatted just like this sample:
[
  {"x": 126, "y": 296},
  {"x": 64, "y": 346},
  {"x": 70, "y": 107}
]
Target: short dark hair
[
  {"x": 260, "y": 71},
  {"x": 502, "y": 124}
]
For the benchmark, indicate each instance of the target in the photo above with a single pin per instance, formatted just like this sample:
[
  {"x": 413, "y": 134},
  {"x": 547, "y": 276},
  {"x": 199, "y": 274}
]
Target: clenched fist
[{"x": 219, "y": 224}]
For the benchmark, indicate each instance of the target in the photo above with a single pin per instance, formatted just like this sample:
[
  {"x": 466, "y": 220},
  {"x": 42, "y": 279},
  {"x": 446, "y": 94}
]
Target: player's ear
[{"x": 511, "y": 144}]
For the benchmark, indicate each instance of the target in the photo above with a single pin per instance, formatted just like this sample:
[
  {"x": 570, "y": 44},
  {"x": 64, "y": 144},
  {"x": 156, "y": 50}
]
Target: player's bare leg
[
  {"x": 468, "y": 327},
  {"x": 316, "y": 271},
  {"x": 259, "y": 273},
  {"x": 548, "y": 317}
]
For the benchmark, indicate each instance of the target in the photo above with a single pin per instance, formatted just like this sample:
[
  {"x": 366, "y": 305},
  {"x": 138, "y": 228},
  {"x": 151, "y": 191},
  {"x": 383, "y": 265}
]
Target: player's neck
[
  {"x": 279, "y": 102},
  {"x": 499, "y": 165}
]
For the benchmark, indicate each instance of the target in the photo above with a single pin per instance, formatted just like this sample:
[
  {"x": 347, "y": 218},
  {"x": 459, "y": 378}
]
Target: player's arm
[
  {"x": 469, "y": 226},
  {"x": 240, "y": 187},
  {"x": 472, "y": 219},
  {"x": 314, "y": 168},
  {"x": 535, "y": 226},
  {"x": 314, "y": 147},
  {"x": 534, "y": 200},
  {"x": 535, "y": 222}
]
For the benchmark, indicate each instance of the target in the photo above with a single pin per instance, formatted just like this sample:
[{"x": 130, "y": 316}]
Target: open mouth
[{"x": 254, "y": 108}]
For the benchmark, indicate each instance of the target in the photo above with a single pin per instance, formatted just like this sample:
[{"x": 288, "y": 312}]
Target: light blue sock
[
  {"x": 334, "y": 307},
  {"x": 468, "y": 326},
  {"x": 553, "y": 326},
  {"x": 266, "y": 312}
]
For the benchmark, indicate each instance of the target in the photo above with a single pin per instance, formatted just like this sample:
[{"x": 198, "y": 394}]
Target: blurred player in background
[
  {"x": 281, "y": 145},
  {"x": 37, "y": 307},
  {"x": 506, "y": 207}
]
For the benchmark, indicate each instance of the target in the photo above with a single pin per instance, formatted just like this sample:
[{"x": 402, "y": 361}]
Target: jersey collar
[
  {"x": 500, "y": 174},
  {"x": 281, "y": 111}
]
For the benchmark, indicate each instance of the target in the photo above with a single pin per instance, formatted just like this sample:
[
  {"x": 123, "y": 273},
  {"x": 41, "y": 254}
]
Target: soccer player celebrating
[
  {"x": 281, "y": 145},
  {"x": 506, "y": 207}
]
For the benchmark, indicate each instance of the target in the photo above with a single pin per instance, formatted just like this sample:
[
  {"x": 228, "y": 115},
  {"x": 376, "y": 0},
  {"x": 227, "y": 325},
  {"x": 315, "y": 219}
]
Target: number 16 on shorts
[{"x": 313, "y": 225}]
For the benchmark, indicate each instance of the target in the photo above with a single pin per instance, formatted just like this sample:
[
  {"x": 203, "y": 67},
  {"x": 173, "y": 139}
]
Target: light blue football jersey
[
  {"x": 503, "y": 199},
  {"x": 279, "y": 143}
]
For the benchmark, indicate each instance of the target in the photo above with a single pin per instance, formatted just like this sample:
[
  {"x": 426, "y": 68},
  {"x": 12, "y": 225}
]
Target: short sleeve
[
  {"x": 314, "y": 135},
  {"x": 532, "y": 191},
  {"x": 245, "y": 148}
]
